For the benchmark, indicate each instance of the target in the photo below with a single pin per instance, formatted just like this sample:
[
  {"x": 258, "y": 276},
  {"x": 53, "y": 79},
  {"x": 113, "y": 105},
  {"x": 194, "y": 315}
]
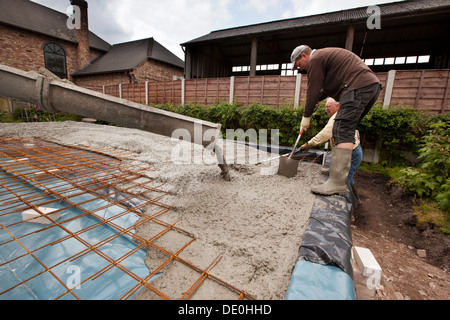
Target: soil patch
[{"x": 415, "y": 259}]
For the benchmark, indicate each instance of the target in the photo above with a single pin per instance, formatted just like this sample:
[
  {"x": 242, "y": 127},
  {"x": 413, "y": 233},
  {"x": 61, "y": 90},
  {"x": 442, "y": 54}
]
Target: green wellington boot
[
  {"x": 339, "y": 167},
  {"x": 355, "y": 192}
]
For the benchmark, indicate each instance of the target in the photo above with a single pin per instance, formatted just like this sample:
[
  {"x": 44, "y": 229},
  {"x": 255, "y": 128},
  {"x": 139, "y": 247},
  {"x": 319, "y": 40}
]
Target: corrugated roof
[
  {"x": 37, "y": 18},
  {"x": 357, "y": 14},
  {"x": 127, "y": 56}
]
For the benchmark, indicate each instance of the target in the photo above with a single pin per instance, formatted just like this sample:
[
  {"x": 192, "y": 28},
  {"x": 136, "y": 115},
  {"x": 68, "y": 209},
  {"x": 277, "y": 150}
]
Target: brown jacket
[{"x": 333, "y": 72}]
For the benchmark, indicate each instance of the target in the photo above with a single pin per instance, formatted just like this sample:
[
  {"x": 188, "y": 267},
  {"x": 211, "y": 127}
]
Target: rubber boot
[
  {"x": 339, "y": 168},
  {"x": 355, "y": 192}
]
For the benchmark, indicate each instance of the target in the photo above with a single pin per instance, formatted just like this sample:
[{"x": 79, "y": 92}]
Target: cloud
[
  {"x": 303, "y": 8},
  {"x": 172, "y": 22},
  {"x": 263, "y": 6},
  {"x": 168, "y": 22}
]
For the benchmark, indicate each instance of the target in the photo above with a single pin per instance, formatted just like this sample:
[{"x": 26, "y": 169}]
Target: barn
[{"x": 400, "y": 35}]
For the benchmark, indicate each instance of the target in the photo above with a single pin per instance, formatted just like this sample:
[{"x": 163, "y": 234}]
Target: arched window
[{"x": 55, "y": 59}]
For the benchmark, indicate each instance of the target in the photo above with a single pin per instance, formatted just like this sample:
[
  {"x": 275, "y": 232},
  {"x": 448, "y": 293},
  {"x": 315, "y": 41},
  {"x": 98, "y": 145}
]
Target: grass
[
  {"x": 392, "y": 172},
  {"x": 19, "y": 115},
  {"x": 427, "y": 212}
]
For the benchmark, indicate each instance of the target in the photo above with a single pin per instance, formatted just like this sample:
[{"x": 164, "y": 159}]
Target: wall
[
  {"x": 156, "y": 71},
  {"x": 425, "y": 89},
  {"x": 149, "y": 70},
  {"x": 23, "y": 50},
  {"x": 109, "y": 79}
]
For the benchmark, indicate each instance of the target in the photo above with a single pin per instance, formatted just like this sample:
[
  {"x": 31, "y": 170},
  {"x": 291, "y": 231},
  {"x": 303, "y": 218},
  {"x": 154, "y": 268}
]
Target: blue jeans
[{"x": 357, "y": 156}]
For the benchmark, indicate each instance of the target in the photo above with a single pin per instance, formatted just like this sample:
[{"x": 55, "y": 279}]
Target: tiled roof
[{"x": 127, "y": 56}]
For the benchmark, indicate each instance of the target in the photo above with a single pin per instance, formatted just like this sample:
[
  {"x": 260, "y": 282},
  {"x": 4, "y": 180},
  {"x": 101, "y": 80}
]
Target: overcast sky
[{"x": 172, "y": 22}]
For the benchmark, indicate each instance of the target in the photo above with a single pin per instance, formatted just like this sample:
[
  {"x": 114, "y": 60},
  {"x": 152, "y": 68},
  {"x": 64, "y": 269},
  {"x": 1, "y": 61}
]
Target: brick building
[
  {"x": 131, "y": 62},
  {"x": 33, "y": 36}
]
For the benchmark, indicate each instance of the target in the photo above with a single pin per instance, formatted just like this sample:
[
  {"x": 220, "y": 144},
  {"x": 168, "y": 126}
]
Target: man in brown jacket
[{"x": 342, "y": 75}]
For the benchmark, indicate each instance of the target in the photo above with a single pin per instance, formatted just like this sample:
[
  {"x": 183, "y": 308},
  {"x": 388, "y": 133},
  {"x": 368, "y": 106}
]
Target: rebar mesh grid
[{"x": 72, "y": 193}]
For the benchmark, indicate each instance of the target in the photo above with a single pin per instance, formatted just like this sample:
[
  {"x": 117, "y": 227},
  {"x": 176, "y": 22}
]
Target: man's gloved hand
[
  {"x": 305, "y": 147},
  {"x": 305, "y": 123}
]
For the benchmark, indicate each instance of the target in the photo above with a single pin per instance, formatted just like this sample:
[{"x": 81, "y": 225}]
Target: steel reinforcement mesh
[{"x": 68, "y": 220}]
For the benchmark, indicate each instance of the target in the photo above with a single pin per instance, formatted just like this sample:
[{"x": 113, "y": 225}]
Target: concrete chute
[{"x": 56, "y": 95}]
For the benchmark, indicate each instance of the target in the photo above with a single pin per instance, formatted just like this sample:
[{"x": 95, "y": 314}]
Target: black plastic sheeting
[
  {"x": 328, "y": 239},
  {"x": 310, "y": 156}
]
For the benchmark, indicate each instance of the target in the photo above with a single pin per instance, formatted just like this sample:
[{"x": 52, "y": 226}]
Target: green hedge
[
  {"x": 232, "y": 116},
  {"x": 399, "y": 128}
]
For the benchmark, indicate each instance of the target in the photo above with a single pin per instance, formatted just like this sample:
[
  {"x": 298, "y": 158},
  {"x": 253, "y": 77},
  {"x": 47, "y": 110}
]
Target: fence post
[
  {"x": 104, "y": 90},
  {"x": 231, "y": 90},
  {"x": 147, "y": 98},
  {"x": 120, "y": 91},
  {"x": 447, "y": 89},
  {"x": 389, "y": 88},
  {"x": 183, "y": 91},
  {"x": 298, "y": 84},
  {"x": 419, "y": 90},
  {"x": 387, "y": 101}
]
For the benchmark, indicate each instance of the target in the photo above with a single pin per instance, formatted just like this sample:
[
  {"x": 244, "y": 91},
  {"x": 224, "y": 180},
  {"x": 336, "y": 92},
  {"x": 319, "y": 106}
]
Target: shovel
[{"x": 288, "y": 165}]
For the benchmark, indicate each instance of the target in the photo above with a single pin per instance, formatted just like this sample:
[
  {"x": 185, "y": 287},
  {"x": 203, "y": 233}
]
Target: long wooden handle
[{"x": 296, "y": 143}]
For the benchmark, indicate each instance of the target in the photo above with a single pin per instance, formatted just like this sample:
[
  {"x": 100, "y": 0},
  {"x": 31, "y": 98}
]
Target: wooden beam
[
  {"x": 350, "y": 38},
  {"x": 188, "y": 64},
  {"x": 254, "y": 57}
]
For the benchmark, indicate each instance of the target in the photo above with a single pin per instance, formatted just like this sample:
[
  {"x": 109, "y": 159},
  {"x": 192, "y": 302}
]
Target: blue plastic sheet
[
  {"x": 46, "y": 279},
  {"x": 312, "y": 281},
  {"x": 324, "y": 270}
]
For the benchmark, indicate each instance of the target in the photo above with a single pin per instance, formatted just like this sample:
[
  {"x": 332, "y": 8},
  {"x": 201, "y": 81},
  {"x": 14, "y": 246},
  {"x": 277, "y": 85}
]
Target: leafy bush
[
  {"x": 232, "y": 116},
  {"x": 5, "y": 117},
  {"x": 400, "y": 129},
  {"x": 430, "y": 178},
  {"x": 33, "y": 113}
]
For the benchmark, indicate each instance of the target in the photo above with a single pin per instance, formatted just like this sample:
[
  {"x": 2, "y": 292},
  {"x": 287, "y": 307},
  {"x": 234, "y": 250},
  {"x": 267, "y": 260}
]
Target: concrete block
[
  {"x": 366, "y": 261},
  {"x": 367, "y": 273},
  {"x": 33, "y": 216}
]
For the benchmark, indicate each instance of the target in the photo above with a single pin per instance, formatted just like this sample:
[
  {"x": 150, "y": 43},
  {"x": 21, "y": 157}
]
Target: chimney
[{"x": 82, "y": 34}]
